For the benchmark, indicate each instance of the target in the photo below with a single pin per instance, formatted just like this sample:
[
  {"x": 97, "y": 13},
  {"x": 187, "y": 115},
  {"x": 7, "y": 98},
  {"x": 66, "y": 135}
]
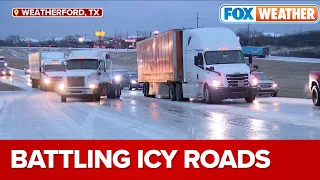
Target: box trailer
[{"x": 204, "y": 63}]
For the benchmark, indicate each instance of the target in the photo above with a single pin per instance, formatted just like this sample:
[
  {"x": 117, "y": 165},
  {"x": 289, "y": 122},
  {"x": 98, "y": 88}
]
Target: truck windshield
[
  {"x": 122, "y": 73},
  {"x": 223, "y": 57},
  {"x": 83, "y": 64},
  {"x": 56, "y": 67},
  {"x": 133, "y": 75}
]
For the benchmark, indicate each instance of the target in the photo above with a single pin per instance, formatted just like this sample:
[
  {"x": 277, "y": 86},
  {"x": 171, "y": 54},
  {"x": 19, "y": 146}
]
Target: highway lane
[{"x": 33, "y": 114}]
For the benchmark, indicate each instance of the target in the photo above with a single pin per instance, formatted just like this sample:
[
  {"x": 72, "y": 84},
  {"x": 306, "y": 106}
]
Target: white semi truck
[
  {"x": 89, "y": 75},
  {"x": 46, "y": 69},
  {"x": 204, "y": 63}
]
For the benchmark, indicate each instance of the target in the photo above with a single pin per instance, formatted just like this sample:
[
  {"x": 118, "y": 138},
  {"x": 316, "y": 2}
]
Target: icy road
[{"x": 33, "y": 114}]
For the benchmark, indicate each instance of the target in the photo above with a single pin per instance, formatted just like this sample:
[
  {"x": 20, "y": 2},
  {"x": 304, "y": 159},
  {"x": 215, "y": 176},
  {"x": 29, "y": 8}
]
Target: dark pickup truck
[{"x": 314, "y": 84}]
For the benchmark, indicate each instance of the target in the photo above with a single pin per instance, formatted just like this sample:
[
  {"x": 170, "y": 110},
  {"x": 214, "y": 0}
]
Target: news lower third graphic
[
  {"x": 57, "y": 12},
  {"x": 289, "y": 13}
]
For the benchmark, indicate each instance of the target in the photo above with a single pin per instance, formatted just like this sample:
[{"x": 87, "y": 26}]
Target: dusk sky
[{"x": 129, "y": 15}]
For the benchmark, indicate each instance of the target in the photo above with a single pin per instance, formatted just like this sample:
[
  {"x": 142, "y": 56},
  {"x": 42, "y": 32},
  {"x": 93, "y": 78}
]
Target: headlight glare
[
  {"x": 92, "y": 86},
  {"x": 254, "y": 81},
  {"x": 47, "y": 80},
  {"x": 216, "y": 83},
  {"x": 61, "y": 86}
]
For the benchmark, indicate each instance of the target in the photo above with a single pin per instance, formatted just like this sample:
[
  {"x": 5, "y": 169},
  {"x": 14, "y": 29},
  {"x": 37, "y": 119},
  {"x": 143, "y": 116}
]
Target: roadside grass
[
  {"x": 8, "y": 87},
  {"x": 17, "y": 63}
]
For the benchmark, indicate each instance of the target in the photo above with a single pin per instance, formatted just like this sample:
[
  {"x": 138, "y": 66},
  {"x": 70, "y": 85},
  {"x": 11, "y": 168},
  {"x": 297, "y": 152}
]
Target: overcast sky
[{"x": 129, "y": 15}]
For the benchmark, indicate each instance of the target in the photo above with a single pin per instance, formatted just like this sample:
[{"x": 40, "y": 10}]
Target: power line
[{"x": 197, "y": 19}]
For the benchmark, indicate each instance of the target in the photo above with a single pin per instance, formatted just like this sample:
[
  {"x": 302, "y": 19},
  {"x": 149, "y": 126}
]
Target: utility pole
[
  {"x": 300, "y": 36},
  {"x": 115, "y": 34},
  {"x": 197, "y": 19},
  {"x": 127, "y": 34},
  {"x": 137, "y": 34},
  {"x": 85, "y": 37},
  {"x": 248, "y": 34}
]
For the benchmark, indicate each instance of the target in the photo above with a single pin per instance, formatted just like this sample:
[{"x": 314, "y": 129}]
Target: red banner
[{"x": 148, "y": 159}]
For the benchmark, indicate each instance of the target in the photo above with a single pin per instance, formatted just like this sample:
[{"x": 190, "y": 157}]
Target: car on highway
[
  {"x": 133, "y": 82},
  {"x": 26, "y": 70},
  {"x": 266, "y": 86},
  {"x": 121, "y": 77},
  {"x": 3, "y": 65},
  {"x": 6, "y": 72},
  {"x": 314, "y": 85}
]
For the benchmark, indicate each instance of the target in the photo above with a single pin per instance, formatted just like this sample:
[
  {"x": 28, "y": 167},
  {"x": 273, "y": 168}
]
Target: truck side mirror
[
  {"x": 256, "y": 66},
  {"x": 250, "y": 59}
]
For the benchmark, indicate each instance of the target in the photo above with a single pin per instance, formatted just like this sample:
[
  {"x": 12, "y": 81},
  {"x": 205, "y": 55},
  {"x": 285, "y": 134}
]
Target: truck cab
[
  {"x": 46, "y": 69},
  {"x": 314, "y": 85},
  {"x": 202, "y": 63},
  {"x": 215, "y": 66},
  {"x": 89, "y": 74}
]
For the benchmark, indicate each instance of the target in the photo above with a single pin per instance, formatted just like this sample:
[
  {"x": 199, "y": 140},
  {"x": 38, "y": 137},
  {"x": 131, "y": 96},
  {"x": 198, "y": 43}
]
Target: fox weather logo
[{"x": 269, "y": 13}]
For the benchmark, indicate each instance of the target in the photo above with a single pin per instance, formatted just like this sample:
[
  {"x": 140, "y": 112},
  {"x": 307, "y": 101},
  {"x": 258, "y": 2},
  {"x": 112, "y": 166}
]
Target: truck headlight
[
  {"x": 47, "y": 80},
  {"x": 254, "y": 81},
  {"x": 216, "y": 83},
  {"x": 133, "y": 81},
  {"x": 92, "y": 86},
  {"x": 3, "y": 72},
  {"x": 11, "y": 72},
  {"x": 61, "y": 86},
  {"x": 117, "y": 78}
]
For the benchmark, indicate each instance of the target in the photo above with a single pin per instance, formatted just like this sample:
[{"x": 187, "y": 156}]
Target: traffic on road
[{"x": 81, "y": 95}]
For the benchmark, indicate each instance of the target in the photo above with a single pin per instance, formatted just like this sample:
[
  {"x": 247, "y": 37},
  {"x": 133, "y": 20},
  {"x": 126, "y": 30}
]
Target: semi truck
[
  {"x": 314, "y": 85},
  {"x": 46, "y": 69},
  {"x": 202, "y": 63},
  {"x": 260, "y": 52},
  {"x": 89, "y": 75}
]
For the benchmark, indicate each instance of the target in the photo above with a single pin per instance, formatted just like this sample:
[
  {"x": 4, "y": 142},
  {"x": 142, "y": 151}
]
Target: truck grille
[
  {"x": 237, "y": 80},
  {"x": 75, "y": 81},
  {"x": 265, "y": 85},
  {"x": 56, "y": 78}
]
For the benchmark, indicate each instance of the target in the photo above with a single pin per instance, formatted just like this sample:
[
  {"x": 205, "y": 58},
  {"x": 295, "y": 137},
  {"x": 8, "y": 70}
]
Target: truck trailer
[
  {"x": 203, "y": 63},
  {"x": 260, "y": 52},
  {"x": 46, "y": 69}
]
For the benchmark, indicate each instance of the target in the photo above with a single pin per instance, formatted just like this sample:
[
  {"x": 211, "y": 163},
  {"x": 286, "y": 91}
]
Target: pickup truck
[{"x": 314, "y": 84}]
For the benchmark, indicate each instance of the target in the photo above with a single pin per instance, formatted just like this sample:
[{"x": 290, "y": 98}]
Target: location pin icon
[{"x": 16, "y": 12}]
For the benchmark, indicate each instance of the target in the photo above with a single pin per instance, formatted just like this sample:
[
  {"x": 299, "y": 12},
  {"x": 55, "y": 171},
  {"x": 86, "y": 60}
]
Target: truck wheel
[
  {"x": 172, "y": 92},
  {"x": 250, "y": 99},
  {"x": 112, "y": 92},
  {"x": 179, "y": 92},
  {"x": 63, "y": 98},
  {"x": 130, "y": 87},
  {"x": 118, "y": 92},
  {"x": 315, "y": 96},
  {"x": 207, "y": 95},
  {"x": 34, "y": 84},
  {"x": 146, "y": 89},
  {"x": 275, "y": 94}
]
